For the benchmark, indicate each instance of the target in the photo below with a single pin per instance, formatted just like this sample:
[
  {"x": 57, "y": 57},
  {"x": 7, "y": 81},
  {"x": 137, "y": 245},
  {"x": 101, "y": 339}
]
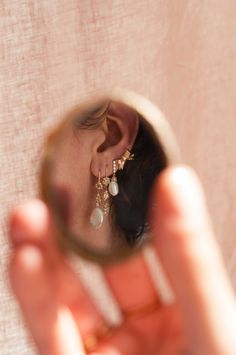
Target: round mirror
[{"x": 97, "y": 174}]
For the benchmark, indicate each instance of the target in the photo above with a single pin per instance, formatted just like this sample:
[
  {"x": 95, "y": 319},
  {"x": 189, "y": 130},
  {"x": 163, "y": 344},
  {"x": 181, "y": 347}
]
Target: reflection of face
[{"x": 73, "y": 175}]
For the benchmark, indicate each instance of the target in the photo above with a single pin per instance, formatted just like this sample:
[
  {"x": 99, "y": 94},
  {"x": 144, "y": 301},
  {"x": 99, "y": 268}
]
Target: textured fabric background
[{"x": 181, "y": 54}]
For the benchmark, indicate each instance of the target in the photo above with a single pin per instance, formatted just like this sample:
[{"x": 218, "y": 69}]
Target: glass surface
[{"x": 97, "y": 177}]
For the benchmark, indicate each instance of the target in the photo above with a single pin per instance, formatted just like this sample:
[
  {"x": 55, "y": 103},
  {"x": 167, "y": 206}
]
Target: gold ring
[
  {"x": 91, "y": 340},
  {"x": 141, "y": 310}
]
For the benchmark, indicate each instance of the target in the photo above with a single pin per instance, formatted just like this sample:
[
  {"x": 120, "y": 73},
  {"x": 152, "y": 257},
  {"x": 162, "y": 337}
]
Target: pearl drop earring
[
  {"x": 102, "y": 203},
  {"x": 113, "y": 187},
  {"x": 104, "y": 186}
]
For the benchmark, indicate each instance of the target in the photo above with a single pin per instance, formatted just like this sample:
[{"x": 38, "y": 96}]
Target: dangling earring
[
  {"x": 113, "y": 187},
  {"x": 102, "y": 202},
  {"x": 104, "y": 185},
  {"x": 119, "y": 164},
  {"x": 105, "y": 194}
]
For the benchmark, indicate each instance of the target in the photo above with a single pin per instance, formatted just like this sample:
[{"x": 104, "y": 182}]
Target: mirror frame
[{"x": 162, "y": 134}]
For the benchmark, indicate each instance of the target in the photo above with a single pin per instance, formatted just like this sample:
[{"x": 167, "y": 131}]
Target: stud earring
[
  {"x": 102, "y": 202},
  {"x": 121, "y": 162}
]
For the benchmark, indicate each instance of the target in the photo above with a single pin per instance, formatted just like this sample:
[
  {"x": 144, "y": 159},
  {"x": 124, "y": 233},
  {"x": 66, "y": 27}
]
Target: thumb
[{"x": 184, "y": 241}]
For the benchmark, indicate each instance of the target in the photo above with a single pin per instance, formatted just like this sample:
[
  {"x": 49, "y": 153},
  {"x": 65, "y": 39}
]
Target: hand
[{"x": 60, "y": 314}]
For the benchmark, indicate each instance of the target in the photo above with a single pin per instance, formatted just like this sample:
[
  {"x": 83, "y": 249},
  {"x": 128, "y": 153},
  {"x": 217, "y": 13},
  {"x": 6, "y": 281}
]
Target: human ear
[{"x": 120, "y": 130}]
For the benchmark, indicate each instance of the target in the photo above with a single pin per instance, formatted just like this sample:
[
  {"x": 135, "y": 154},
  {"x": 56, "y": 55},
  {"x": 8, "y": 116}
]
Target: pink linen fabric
[{"x": 180, "y": 54}]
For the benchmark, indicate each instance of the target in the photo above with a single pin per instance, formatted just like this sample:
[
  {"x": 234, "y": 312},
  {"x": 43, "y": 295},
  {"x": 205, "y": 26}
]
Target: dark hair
[{"x": 130, "y": 206}]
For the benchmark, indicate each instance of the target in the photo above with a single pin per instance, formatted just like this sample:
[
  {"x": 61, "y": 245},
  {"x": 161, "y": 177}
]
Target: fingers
[
  {"x": 44, "y": 315},
  {"x": 123, "y": 342},
  {"x": 133, "y": 288},
  {"x": 33, "y": 217},
  {"x": 135, "y": 338},
  {"x": 184, "y": 241},
  {"x": 49, "y": 293},
  {"x": 30, "y": 223},
  {"x": 131, "y": 283}
]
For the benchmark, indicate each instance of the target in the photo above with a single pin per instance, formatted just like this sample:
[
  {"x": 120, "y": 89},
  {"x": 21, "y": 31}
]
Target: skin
[
  {"x": 58, "y": 311},
  {"x": 82, "y": 155},
  {"x": 72, "y": 174}
]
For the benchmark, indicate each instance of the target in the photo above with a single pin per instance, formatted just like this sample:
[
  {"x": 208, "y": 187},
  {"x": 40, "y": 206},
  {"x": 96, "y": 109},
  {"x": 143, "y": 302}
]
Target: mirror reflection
[{"x": 101, "y": 165}]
